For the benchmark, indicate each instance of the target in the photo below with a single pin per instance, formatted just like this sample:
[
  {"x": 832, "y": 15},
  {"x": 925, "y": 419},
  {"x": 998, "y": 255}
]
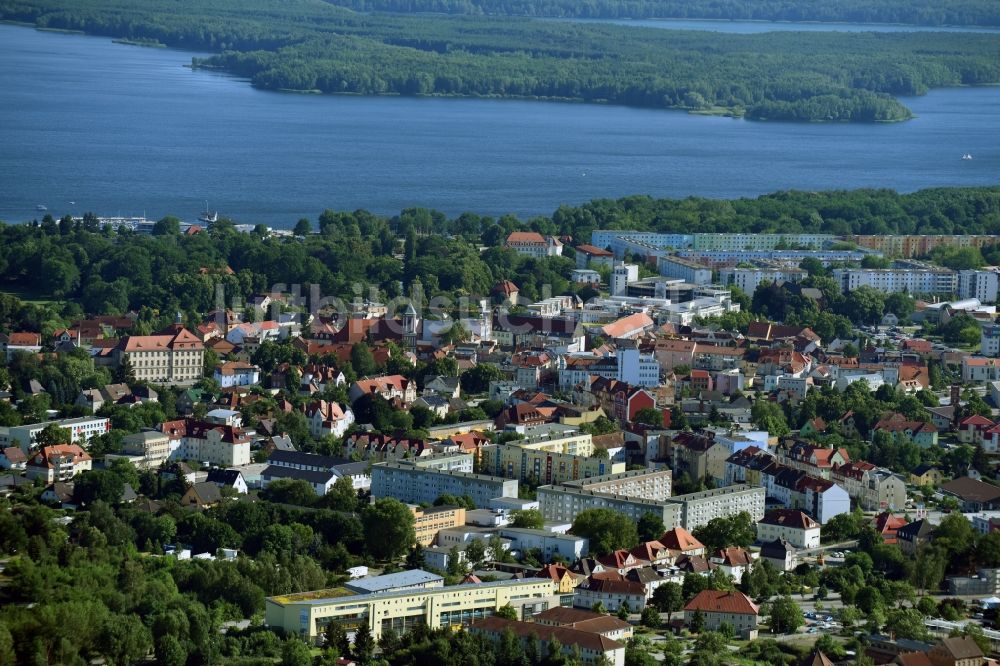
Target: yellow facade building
[
  {"x": 513, "y": 461},
  {"x": 428, "y": 522},
  {"x": 308, "y": 613}
]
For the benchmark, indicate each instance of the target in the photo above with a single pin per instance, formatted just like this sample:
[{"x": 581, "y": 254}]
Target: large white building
[
  {"x": 894, "y": 280},
  {"x": 80, "y": 431},
  {"x": 684, "y": 269},
  {"x": 621, "y": 275},
  {"x": 990, "y": 341},
  {"x": 982, "y": 284},
  {"x": 748, "y": 279}
]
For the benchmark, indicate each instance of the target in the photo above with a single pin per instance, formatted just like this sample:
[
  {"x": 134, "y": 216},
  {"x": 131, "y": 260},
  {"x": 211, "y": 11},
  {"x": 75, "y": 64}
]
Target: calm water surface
[{"x": 130, "y": 130}]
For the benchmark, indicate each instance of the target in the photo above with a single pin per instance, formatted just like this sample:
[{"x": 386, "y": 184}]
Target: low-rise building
[
  {"x": 592, "y": 647},
  {"x": 612, "y": 594},
  {"x": 307, "y": 614},
  {"x": 414, "y": 579},
  {"x": 793, "y": 526},
  {"x": 567, "y": 546},
  {"x": 719, "y": 607}
]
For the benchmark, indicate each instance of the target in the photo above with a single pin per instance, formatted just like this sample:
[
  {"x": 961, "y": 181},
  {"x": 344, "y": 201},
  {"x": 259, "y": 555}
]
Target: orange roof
[
  {"x": 24, "y": 339},
  {"x": 617, "y": 329},
  {"x": 181, "y": 339},
  {"x": 716, "y": 601},
  {"x": 593, "y": 251},
  {"x": 680, "y": 539},
  {"x": 526, "y": 237}
]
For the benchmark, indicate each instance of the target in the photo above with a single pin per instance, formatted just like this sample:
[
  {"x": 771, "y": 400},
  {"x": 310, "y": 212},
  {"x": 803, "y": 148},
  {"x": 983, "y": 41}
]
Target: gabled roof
[
  {"x": 680, "y": 539},
  {"x": 587, "y": 640},
  {"x": 789, "y": 518},
  {"x": 961, "y": 647},
  {"x": 716, "y": 601},
  {"x": 971, "y": 490},
  {"x": 733, "y": 557}
]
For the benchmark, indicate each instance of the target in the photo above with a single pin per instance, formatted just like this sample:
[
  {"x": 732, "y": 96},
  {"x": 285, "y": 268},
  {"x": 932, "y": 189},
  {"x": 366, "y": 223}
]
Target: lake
[{"x": 129, "y": 130}]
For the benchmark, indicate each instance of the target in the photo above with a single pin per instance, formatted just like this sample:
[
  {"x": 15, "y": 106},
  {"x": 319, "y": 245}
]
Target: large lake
[{"x": 131, "y": 130}]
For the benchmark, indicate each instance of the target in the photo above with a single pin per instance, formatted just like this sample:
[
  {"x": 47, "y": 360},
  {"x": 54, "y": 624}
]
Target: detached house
[
  {"x": 58, "y": 463},
  {"x": 11, "y": 343},
  {"x": 389, "y": 387},
  {"x": 328, "y": 418},
  {"x": 793, "y": 526},
  {"x": 920, "y": 433},
  {"x": 237, "y": 373}
]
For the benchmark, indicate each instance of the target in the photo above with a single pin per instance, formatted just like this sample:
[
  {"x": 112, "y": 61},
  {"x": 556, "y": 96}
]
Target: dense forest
[
  {"x": 98, "y": 271},
  {"x": 309, "y": 45},
  {"x": 919, "y": 12}
]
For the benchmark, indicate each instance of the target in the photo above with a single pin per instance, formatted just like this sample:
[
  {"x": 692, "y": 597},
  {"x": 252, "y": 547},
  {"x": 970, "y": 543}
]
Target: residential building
[
  {"x": 416, "y": 485},
  {"x": 307, "y": 613},
  {"x": 320, "y": 480},
  {"x": 719, "y": 607},
  {"x": 913, "y": 245},
  {"x": 872, "y": 488},
  {"x": 80, "y": 430},
  {"x": 748, "y": 279},
  {"x": 684, "y": 269},
  {"x": 58, "y": 463},
  {"x": 780, "y": 553},
  {"x": 977, "y": 369},
  {"x": 957, "y": 651},
  {"x": 328, "y": 418},
  {"x": 613, "y": 594},
  {"x": 12, "y": 457},
  {"x": 979, "y": 284},
  {"x": 147, "y": 449},
  {"x": 533, "y": 244},
  {"x": 589, "y": 256},
  {"x": 12, "y": 343},
  {"x": 237, "y": 373},
  {"x": 514, "y": 462},
  {"x": 428, "y": 522},
  {"x": 921, "y": 433},
  {"x": 621, "y": 275},
  {"x": 698, "y": 509},
  {"x": 650, "y": 484},
  {"x": 698, "y": 455},
  {"x": 212, "y": 443},
  {"x": 734, "y": 562},
  {"x": 228, "y": 478},
  {"x": 592, "y": 647},
  {"x": 585, "y": 620},
  {"x": 989, "y": 341},
  {"x": 790, "y": 525},
  {"x": 174, "y": 356},
  {"x": 389, "y": 387},
  {"x": 937, "y": 281},
  {"x": 914, "y": 536}
]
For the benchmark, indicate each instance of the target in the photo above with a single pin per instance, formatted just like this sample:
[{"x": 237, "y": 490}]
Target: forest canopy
[{"x": 310, "y": 45}]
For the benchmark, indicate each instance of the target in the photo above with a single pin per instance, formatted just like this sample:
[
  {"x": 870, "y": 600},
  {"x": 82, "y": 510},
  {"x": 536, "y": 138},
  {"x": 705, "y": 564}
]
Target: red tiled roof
[
  {"x": 526, "y": 237},
  {"x": 625, "y": 325},
  {"x": 716, "y": 601},
  {"x": 789, "y": 518},
  {"x": 680, "y": 539}
]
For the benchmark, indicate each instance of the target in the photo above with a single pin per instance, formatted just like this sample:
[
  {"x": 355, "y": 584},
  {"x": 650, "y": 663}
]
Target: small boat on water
[
  {"x": 41, "y": 208},
  {"x": 967, "y": 156},
  {"x": 209, "y": 215}
]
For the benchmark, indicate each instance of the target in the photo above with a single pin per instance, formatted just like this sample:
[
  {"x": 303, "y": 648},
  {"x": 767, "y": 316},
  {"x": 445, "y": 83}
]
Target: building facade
[{"x": 415, "y": 485}]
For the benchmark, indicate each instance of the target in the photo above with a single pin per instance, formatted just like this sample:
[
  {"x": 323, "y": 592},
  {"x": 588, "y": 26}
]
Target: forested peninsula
[
  {"x": 103, "y": 271},
  {"x": 913, "y": 12},
  {"x": 310, "y": 45}
]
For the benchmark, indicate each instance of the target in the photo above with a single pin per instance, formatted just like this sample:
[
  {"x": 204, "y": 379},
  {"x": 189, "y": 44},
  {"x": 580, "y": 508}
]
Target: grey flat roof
[{"x": 393, "y": 580}]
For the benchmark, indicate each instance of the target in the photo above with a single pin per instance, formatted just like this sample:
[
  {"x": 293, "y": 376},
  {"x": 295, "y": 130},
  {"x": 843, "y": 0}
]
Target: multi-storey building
[
  {"x": 720, "y": 607},
  {"x": 650, "y": 484},
  {"x": 941, "y": 281},
  {"x": 989, "y": 341},
  {"x": 148, "y": 449},
  {"x": 590, "y": 256},
  {"x": 557, "y": 438},
  {"x": 748, "y": 279},
  {"x": 562, "y": 503},
  {"x": 979, "y": 284},
  {"x": 621, "y": 276},
  {"x": 728, "y": 258},
  {"x": 514, "y": 462},
  {"x": 978, "y": 369},
  {"x": 416, "y": 485},
  {"x": 606, "y": 237},
  {"x": 428, "y": 522},
  {"x": 592, "y": 647},
  {"x": 214, "y": 443},
  {"x": 58, "y": 463},
  {"x": 328, "y": 418},
  {"x": 80, "y": 431},
  {"x": 684, "y": 269},
  {"x": 173, "y": 356},
  {"x": 308, "y": 613},
  {"x": 793, "y": 526},
  {"x": 910, "y": 246},
  {"x": 533, "y": 244},
  {"x": 872, "y": 488},
  {"x": 389, "y": 387}
]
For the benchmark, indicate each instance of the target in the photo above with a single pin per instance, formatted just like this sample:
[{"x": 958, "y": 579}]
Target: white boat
[
  {"x": 209, "y": 215},
  {"x": 41, "y": 208},
  {"x": 967, "y": 156}
]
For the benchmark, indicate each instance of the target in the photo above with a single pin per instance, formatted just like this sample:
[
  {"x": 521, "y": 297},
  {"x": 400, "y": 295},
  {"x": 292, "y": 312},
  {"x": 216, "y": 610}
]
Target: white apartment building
[
  {"x": 982, "y": 284},
  {"x": 684, "y": 269},
  {"x": 989, "y": 340},
  {"x": 794, "y": 526},
  {"x": 895, "y": 280},
  {"x": 80, "y": 430},
  {"x": 650, "y": 484},
  {"x": 621, "y": 275},
  {"x": 605, "y": 238},
  {"x": 748, "y": 279}
]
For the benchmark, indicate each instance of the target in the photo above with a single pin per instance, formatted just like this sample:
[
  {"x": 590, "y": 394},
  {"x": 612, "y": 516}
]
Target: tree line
[
  {"x": 315, "y": 47},
  {"x": 921, "y": 12}
]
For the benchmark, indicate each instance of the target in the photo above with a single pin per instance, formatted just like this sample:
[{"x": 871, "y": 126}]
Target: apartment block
[
  {"x": 428, "y": 522},
  {"x": 911, "y": 246},
  {"x": 748, "y": 279},
  {"x": 684, "y": 269},
  {"x": 308, "y": 613},
  {"x": 515, "y": 462},
  {"x": 80, "y": 431},
  {"x": 982, "y": 284},
  {"x": 940, "y": 281},
  {"x": 415, "y": 485},
  {"x": 556, "y": 438},
  {"x": 563, "y": 503},
  {"x": 650, "y": 484},
  {"x": 699, "y": 508}
]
